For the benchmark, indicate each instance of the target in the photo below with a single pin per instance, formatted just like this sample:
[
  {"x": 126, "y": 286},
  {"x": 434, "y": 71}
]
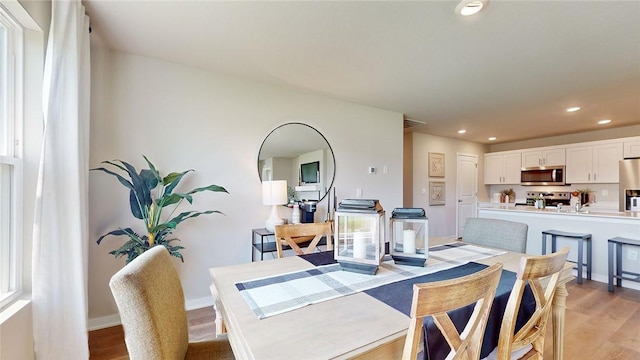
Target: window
[{"x": 10, "y": 157}]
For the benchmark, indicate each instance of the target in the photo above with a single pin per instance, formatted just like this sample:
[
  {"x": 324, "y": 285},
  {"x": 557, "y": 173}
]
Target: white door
[{"x": 466, "y": 189}]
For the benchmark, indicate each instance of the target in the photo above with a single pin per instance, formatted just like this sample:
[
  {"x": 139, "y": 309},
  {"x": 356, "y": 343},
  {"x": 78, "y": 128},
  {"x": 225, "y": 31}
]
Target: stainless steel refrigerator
[{"x": 630, "y": 185}]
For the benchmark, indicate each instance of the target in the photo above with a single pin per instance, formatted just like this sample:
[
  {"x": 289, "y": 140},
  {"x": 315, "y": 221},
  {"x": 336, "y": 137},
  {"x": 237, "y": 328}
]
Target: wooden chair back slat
[
  {"x": 295, "y": 234},
  {"x": 436, "y": 298},
  {"x": 542, "y": 274}
]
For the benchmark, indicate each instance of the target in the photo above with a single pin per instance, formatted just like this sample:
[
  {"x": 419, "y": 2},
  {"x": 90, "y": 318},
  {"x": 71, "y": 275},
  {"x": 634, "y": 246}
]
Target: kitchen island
[{"x": 602, "y": 225}]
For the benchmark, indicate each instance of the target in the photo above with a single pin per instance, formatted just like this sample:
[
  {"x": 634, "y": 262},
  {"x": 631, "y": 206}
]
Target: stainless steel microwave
[{"x": 542, "y": 175}]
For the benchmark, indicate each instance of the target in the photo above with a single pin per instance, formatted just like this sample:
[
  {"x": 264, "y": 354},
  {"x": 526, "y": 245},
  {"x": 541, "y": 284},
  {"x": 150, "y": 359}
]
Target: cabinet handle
[
  {"x": 589, "y": 177},
  {"x": 594, "y": 177}
]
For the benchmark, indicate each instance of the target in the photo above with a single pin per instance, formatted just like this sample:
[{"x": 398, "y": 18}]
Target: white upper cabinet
[
  {"x": 631, "y": 148},
  {"x": 543, "y": 157},
  {"x": 502, "y": 168},
  {"x": 596, "y": 163}
]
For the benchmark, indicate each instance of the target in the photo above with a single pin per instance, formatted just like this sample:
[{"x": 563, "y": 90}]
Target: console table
[{"x": 269, "y": 247}]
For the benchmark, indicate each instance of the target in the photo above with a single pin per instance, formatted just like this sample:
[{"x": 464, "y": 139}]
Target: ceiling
[{"x": 509, "y": 71}]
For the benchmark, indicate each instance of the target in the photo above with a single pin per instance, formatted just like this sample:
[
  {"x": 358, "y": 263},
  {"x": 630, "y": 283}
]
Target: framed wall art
[
  {"x": 436, "y": 193},
  {"x": 436, "y": 164}
]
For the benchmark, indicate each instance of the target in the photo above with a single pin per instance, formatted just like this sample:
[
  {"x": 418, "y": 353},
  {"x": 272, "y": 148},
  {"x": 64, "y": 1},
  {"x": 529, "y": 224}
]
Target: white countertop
[{"x": 565, "y": 211}]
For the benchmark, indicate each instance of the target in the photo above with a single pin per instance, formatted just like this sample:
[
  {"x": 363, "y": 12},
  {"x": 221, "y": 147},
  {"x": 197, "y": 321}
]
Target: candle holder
[
  {"x": 409, "y": 236},
  {"x": 360, "y": 235}
]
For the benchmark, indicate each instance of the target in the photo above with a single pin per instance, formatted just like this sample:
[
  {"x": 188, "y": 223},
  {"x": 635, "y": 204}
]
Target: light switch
[{"x": 359, "y": 192}]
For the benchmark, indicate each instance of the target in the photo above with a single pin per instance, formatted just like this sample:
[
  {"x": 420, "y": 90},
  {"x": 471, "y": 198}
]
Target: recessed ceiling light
[
  {"x": 492, "y": 138},
  {"x": 470, "y": 7},
  {"x": 573, "y": 109},
  {"x": 462, "y": 131},
  {"x": 604, "y": 121}
]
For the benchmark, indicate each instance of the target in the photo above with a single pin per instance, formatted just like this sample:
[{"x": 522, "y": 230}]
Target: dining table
[{"x": 367, "y": 321}]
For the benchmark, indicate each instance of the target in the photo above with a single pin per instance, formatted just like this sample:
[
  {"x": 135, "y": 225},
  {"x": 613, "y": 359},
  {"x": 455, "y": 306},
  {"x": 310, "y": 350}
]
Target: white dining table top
[{"x": 336, "y": 329}]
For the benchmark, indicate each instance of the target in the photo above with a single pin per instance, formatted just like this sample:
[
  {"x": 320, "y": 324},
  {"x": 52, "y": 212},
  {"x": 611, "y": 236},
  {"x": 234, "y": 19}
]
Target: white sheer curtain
[{"x": 60, "y": 226}]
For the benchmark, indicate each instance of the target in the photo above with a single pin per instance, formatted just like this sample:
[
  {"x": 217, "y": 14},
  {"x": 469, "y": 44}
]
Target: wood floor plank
[{"x": 599, "y": 325}]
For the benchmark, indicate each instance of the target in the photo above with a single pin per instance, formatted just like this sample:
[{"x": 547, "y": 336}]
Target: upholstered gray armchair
[
  {"x": 501, "y": 234},
  {"x": 150, "y": 300}
]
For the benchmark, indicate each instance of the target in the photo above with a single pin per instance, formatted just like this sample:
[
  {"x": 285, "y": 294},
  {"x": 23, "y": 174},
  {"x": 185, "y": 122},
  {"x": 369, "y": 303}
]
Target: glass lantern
[
  {"x": 360, "y": 235},
  {"x": 409, "y": 236}
]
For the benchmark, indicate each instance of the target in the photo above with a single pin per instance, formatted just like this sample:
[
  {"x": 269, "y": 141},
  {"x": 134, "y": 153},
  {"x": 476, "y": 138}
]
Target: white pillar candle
[
  {"x": 409, "y": 241},
  {"x": 359, "y": 245}
]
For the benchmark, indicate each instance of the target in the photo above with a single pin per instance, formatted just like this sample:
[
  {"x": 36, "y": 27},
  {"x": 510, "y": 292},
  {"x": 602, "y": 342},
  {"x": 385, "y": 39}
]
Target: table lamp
[{"x": 274, "y": 193}]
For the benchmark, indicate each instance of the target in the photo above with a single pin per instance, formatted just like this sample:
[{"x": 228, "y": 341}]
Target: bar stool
[
  {"x": 617, "y": 242},
  {"x": 582, "y": 239}
]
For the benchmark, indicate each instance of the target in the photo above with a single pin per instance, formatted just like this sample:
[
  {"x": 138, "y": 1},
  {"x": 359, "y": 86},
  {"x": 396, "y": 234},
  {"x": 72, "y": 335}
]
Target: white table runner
[{"x": 285, "y": 292}]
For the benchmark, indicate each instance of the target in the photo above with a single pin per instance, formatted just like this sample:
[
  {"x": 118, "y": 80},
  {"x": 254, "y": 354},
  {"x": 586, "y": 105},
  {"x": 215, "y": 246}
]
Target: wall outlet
[
  {"x": 372, "y": 170},
  {"x": 358, "y": 192},
  {"x": 605, "y": 192},
  {"x": 632, "y": 255}
]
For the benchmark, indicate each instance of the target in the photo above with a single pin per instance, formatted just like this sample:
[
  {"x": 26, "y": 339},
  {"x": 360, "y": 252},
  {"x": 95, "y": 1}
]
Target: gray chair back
[{"x": 501, "y": 234}]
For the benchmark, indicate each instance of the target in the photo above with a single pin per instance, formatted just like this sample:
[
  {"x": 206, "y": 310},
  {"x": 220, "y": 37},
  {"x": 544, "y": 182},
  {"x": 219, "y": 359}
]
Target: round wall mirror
[{"x": 302, "y": 156}]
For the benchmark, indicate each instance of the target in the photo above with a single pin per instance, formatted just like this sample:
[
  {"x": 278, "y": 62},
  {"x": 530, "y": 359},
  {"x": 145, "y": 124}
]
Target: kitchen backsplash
[{"x": 605, "y": 193}]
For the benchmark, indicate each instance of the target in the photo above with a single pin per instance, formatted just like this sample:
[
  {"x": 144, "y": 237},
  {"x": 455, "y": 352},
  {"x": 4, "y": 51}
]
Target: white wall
[
  {"x": 442, "y": 219},
  {"x": 185, "y": 118}
]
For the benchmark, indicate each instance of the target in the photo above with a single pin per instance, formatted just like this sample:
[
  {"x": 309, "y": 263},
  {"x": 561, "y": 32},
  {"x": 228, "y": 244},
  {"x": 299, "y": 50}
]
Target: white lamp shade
[{"x": 274, "y": 192}]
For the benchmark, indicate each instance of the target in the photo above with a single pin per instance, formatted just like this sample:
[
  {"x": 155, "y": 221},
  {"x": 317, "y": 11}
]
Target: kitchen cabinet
[
  {"x": 631, "y": 148},
  {"x": 543, "y": 157},
  {"x": 502, "y": 168},
  {"x": 596, "y": 163}
]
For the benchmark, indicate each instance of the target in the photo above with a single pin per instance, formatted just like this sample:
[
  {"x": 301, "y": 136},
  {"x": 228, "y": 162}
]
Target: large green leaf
[
  {"x": 140, "y": 189},
  {"x": 172, "y": 180},
  {"x": 149, "y": 179},
  {"x": 114, "y": 233},
  {"x": 122, "y": 180},
  {"x": 174, "y": 198},
  {"x": 188, "y": 215},
  {"x": 155, "y": 172},
  {"x": 215, "y": 188}
]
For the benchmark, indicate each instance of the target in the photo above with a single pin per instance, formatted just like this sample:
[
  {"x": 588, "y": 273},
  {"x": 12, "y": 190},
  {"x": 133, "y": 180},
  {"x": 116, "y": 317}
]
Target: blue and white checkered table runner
[{"x": 285, "y": 292}]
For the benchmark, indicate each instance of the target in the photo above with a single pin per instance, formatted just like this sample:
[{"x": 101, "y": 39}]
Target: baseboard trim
[
  {"x": 198, "y": 303},
  {"x": 114, "y": 320},
  {"x": 103, "y": 322}
]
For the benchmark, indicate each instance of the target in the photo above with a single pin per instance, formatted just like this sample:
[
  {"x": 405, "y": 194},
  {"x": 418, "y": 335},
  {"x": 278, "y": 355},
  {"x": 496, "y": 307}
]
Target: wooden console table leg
[{"x": 559, "y": 306}]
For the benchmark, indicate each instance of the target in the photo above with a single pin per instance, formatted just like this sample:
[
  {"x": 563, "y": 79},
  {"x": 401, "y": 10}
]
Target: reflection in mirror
[{"x": 302, "y": 156}]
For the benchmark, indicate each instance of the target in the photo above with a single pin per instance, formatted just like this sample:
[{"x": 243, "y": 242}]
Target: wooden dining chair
[
  {"x": 542, "y": 274},
  {"x": 436, "y": 298},
  {"x": 306, "y": 235}
]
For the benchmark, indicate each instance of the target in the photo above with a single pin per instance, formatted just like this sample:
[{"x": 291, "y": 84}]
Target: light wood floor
[{"x": 599, "y": 325}]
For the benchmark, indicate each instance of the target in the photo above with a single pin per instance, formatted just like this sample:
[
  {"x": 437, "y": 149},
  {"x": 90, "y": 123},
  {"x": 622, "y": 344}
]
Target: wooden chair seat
[
  {"x": 436, "y": 298},
  {"x": 306, "y": 234}
]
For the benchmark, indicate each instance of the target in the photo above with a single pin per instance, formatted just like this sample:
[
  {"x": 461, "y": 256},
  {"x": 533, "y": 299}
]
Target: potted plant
[
  {"x": 507, "y": 196},
  {"x": 585, "y": 195},
  {"x": 149, "y": 195}
]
